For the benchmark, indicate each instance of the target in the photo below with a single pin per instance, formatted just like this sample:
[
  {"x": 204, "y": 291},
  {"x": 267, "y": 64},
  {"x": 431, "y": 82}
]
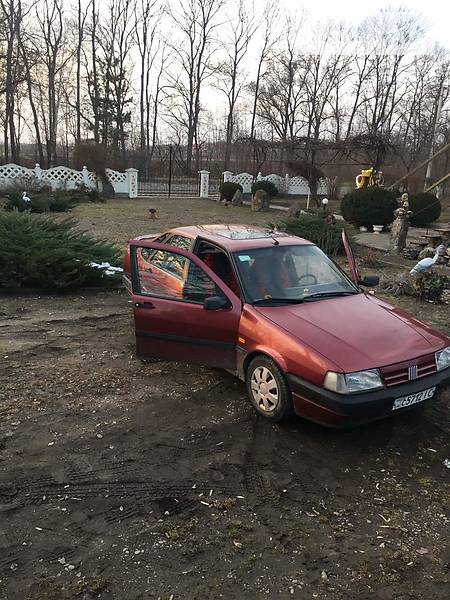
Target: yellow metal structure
[{"x": 368, "y": 178}]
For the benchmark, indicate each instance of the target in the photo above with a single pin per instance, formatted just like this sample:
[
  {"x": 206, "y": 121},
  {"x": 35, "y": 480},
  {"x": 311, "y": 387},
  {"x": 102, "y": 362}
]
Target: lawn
[{"x": 122, "y": 219}]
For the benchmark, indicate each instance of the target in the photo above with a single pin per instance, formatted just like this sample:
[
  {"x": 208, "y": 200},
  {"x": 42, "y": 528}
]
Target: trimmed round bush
[
  {"x": 369, "y": 206},
  {"x": 227, "y": 190},
  {"x": 314, "y": 228},
  {"x": 426, "y": 208},
  {"x": 269, "y": 187}
]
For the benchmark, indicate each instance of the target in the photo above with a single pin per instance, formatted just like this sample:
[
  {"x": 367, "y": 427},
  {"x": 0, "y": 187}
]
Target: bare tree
[
  {"x": 11, "y": 14},
  {"x": 156, "y": 99},
  {"x": 114, "y": 39},
  {"x": 281, "y": 93},
  {"x": 55, "y": 56},
  {"x": 148, "y": 19},
  {"x": 91, "y": 65},
  {"x": 270, "y": 14},
  {"x": 30, "y": 59},
  {"x": 196, "y": 21},
  {"x": 391, "y": 35},
  {"x": 441, "y": 87},
  {"x": 81, "y": 21},
  {"x": 415, "y": 112},
  {"x": 228, "y": 71}
]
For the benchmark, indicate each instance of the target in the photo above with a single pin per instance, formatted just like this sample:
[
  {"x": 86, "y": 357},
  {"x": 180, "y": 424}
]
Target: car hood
[{"x": 356, "y": 332}]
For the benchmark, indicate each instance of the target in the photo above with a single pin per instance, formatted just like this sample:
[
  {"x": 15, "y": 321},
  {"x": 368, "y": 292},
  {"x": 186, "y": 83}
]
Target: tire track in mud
[
  {"x": 253, "y": 482},
  {"x": 38, "y": 491}
]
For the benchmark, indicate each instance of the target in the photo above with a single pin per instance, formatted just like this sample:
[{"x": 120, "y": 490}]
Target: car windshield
[{"x": 290, "y": 274}]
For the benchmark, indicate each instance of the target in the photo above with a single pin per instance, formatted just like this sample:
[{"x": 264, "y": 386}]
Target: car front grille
[{"x": 409, "y": 371}]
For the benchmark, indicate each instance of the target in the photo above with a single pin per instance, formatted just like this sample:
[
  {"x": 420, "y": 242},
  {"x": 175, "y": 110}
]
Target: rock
[
  {"x": 294, "y": 210},
  {"x": 260, "y": 201},
  {"x": 237, "y": 199},
  {"x": 427, "y": 252}
]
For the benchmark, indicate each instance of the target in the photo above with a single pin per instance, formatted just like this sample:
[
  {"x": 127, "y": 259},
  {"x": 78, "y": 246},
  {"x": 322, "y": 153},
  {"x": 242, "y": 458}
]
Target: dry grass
[{"x": 122, "y": 219}]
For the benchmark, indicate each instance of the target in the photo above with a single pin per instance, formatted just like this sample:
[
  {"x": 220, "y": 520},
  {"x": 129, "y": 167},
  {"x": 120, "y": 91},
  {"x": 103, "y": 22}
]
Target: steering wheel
[{"x": 313, "y": 279}]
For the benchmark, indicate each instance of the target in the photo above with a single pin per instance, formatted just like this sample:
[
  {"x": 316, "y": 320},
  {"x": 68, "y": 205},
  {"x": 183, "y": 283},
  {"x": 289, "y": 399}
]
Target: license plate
[{"x": 405, "y": 401}]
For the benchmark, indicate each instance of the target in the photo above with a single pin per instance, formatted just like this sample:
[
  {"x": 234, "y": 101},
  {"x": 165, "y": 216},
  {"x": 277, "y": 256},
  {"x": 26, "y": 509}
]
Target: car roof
[{"x": 237, "y": 236}]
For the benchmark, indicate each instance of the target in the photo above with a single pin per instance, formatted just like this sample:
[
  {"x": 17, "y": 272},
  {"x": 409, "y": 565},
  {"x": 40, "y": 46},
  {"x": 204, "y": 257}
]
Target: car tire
[{"x": 268, "y": 390}]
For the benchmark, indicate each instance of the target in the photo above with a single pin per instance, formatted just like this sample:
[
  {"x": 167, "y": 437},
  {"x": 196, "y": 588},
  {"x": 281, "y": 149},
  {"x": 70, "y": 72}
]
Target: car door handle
[{"x": 147, "y": 305}]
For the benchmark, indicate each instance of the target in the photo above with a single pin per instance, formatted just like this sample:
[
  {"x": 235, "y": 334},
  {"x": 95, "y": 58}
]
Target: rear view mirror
[
  {"x": 370, "y": 281},
  {"x": 215, "y": 303}
]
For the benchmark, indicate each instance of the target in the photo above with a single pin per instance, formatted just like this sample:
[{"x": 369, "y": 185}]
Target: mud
[{"x": 125, "y": 480}]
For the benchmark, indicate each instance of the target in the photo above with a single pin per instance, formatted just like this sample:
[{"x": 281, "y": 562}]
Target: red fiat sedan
[{"x": 280, "y": 314}]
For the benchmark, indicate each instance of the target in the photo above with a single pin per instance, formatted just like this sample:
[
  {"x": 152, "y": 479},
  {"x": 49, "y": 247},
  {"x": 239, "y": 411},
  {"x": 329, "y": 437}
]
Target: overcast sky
[{"x": 436, "y": 13}]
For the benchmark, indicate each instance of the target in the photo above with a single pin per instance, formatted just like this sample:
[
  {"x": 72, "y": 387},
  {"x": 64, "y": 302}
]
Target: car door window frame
[
  {"x": 199, "y": 241},
  {"x": 136, "y": 284}
]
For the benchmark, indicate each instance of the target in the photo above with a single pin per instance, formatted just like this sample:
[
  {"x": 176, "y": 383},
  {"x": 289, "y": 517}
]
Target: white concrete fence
[
  {"x": 126, "y": 183},
  {"x": 64, "y": 178},
  {"x": 295, "y": 186}
]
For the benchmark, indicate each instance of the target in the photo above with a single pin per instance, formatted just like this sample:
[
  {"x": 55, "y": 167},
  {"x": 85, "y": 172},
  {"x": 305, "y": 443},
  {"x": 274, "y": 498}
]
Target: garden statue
[
  {"x": 399, "y": 228},
  {"x": 369, "y": 178},
  {"x": 425, "y": 265}
]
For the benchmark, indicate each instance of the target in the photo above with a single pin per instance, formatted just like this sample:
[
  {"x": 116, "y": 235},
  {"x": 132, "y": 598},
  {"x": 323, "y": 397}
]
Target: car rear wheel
[{"x": 268, "y": 390}]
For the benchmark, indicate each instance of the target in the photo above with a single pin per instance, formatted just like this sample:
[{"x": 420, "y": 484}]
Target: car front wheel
[{"x": 268, "y": 390}]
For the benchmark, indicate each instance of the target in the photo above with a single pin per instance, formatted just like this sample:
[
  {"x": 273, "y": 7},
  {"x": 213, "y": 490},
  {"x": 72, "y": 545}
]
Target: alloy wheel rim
[{"x": 265, "y": 389}]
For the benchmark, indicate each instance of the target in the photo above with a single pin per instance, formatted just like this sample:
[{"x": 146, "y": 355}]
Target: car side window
[
  {"x": 172, "y": 264},
  {"x": 170, "y": 275},
  {"x": 179, "y": 241}
]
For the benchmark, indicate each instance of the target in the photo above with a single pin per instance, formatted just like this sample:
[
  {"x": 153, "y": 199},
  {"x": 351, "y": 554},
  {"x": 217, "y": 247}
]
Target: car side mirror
[
  {"x": 215, "y": 303},
  {"x": 370, "y": 281}
]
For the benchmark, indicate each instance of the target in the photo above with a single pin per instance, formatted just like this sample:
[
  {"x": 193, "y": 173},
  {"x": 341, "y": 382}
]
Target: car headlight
[
  {"x": 443, "y": 359},
  {"x": 348, "y": 383}
]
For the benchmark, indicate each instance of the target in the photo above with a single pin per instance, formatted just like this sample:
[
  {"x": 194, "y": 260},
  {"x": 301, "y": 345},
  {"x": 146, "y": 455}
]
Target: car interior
[{"x": 220, "y": 264}]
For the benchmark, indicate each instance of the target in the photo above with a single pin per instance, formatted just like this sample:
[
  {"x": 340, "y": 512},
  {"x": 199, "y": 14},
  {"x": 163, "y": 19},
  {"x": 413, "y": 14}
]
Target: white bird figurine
[
  {"x": 25, "y": 198},
  {"x": 426, "y": 263}
]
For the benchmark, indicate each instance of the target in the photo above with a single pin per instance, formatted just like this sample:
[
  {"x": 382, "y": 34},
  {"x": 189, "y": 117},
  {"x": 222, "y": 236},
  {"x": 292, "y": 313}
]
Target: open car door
[
  {"x": 351, "y": 259},
  {"x": 182, "y": 310}
]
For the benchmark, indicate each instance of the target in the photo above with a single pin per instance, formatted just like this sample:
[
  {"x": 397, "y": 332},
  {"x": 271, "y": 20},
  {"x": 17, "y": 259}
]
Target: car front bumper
[{"x": 339, "y": 410}]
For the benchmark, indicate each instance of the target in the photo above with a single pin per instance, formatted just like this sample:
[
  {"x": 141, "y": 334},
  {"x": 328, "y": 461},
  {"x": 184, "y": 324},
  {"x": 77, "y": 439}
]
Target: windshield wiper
[
  {"x": 278, "y": 301},
  {"x": 329, "y": 294}
]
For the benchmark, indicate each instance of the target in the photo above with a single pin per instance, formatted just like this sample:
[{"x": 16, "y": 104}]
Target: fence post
[
  {"x": 132, "y": 182},
  {"x": 286, "y": 183},
  {"x": 227, "y": 175},
  {"x": 259, "y": 176},
  {"x": 204, "y": 184},
  {"x": 38, "y": 172},
  {"x": 86, "y": 181}
]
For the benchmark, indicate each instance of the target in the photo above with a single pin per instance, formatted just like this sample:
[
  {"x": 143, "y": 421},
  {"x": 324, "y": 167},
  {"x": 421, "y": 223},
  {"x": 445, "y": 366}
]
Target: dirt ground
[{"x": 129, "y": 480}]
